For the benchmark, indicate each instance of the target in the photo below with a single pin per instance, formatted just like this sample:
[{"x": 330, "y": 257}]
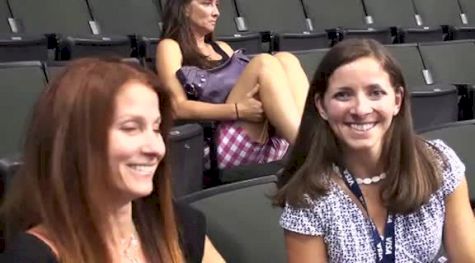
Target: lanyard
[{"x": 384, "y": 248}]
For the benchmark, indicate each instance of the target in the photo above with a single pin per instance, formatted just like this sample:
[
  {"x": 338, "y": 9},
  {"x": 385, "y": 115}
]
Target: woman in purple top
[
  {"x": 208, "y": 80},
  {"x": 360, "y": 185}
]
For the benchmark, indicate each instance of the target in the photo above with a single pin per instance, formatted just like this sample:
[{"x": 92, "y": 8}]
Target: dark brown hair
[
  {"x": 412, "y": 174},
  {"x": 65, "y": 167},
  {"x": 176, "y": 26}
]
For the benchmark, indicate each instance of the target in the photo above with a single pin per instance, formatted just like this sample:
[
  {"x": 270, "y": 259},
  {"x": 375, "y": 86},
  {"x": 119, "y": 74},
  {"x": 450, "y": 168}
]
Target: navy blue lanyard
[{"x": 384, "y": 248}]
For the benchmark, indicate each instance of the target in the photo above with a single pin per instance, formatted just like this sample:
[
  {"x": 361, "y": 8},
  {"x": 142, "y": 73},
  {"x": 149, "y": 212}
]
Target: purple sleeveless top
[{"x": 212, "y": 85}]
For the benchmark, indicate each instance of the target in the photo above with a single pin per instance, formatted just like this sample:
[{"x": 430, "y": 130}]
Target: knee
[
  {"x": 265, "y": 60},
  {"x": 287, "y": 58}
]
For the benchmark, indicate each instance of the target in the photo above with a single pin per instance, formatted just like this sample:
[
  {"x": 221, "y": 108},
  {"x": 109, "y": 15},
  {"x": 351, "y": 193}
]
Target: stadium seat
[
  {"x": 451, "y": 62},
  {"x": 8, "y": 167},
  {"x": 138, "y": 19},
  {"x": 446, "y": 13},
  {"x": 69, "y": 25},
  {"x": 288, "y": 22},
  {"x": 401, "y": 14},
  {"x": 241, "y": 220},
  {"x": 433, "y": 105},
  {"x": 411, "y": 63},
  {"x": 18, "y": 47},
  {"x": 424, "y": 92},
  {"x": 457, "y": 136},
  {"x": 346, "y": 16},
  {"x": 185, "y": 152},
  {"x": 21, "y": 84},
  {"x": 310, "y": 59}
]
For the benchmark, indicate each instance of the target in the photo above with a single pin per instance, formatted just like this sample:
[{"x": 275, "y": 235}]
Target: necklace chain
[{"x": 129, "y": 246}]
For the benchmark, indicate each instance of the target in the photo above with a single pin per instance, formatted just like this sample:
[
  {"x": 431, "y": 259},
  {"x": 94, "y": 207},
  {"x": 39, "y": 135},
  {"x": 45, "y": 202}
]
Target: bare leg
[
  {"x": 277, "y": 99},
  {"x": 297, "y": 78}
]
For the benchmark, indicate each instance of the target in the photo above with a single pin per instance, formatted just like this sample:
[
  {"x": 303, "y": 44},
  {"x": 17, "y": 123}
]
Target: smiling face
[
  {"x": 203, "y": 15},
  {"x": 136, "y": 146},
  {"x": 359, "y": 105}
]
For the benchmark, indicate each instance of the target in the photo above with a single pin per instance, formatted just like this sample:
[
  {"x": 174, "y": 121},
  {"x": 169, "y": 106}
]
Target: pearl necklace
[
  {"x": 370, "y": 180},
  {"x": 365, "y": 181}
]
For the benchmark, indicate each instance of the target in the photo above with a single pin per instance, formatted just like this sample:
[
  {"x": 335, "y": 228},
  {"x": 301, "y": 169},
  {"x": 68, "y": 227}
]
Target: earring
[
  {"x": 323, "y": 115},
  {"x": 396, "y": 111}
]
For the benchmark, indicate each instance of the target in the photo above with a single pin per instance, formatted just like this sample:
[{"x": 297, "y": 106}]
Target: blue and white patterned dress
[{"x": 347, "y": 232}]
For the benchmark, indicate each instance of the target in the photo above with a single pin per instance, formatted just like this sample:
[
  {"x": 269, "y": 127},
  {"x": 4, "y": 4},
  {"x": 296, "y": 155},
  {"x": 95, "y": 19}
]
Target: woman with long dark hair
[
  {"x": 258, "y": 101},
  {"x": 95, "y": 186},
  {"x": 360, "y": 185}
]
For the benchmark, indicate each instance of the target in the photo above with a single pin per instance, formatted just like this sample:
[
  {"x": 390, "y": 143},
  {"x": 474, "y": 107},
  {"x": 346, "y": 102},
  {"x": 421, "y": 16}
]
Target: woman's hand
[{"x": 250, "y": 108}]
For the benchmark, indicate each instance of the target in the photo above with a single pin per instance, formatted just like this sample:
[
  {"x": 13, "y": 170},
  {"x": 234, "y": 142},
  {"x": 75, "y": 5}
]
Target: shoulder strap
[{"x": 219, "y": 50}]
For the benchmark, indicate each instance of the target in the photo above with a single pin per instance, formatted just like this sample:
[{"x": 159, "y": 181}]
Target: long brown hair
[
  {"x": 413, "y": 175},
  {"x": 65, "y": 166},
  {"x": 176, "y": 26}
]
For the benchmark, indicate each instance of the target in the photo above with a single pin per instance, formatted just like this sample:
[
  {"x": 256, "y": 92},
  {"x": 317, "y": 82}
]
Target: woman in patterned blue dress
[{"x": 361, "y": 186}]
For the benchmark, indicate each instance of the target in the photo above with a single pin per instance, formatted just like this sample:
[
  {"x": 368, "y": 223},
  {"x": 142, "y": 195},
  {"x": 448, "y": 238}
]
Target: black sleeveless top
[
  {"x": 192, "y": 228},
  {"x": 220, "y": 51}
]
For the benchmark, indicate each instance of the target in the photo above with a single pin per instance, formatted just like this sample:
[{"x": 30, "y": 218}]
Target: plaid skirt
[{"x": 235, "y": 147}]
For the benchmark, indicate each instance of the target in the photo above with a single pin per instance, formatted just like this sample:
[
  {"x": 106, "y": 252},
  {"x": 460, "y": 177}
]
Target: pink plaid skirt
[{"x": 235, "y": 147}]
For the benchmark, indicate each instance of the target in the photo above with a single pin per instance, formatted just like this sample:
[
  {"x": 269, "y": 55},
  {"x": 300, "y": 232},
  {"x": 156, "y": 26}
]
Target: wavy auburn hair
[{"x": 66, "y": 167}]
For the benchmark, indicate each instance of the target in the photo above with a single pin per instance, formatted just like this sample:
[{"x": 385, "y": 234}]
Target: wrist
[{"x": 236, "y": 111}]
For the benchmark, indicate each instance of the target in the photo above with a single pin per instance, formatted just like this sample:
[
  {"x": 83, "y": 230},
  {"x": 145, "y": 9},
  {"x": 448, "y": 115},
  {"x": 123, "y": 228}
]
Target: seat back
[
  {"x": 310, "y": 59},
  {"x": 468, "y": 8},
  {"x": 226, "y": 25},
  {"x": 411, "y": 63},
  {"x": 4, "y": 15},
  {"x": 127, "y": 17},
  {"x": 241, "y": 221},
  {"x": 21, "y": 84},
  {"x": 386, "y": 13},
  {"x": 438, "y": 12},
  {"x": 69, "y": 17},
  {"x": 185, "y": 152},
  {"x": 457, "y": 136},
  {"x": 433, "y": 105},
  {"x": 327, "y": 14},
  {"x": 287, "y": 15},
  {"x": 451, "y": 61}
]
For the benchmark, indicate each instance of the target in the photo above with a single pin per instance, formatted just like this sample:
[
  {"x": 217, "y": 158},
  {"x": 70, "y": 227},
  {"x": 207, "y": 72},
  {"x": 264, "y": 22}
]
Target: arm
[
  {"x": 459, "y": 230},
  {"x": 211, "y": 255},
  {"x": 169, "y": 59},
  {"x": 304, "y": 248}
]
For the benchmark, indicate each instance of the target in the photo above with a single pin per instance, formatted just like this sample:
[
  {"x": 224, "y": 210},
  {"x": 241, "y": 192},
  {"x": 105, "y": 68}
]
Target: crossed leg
[{"x": 283, "y": 89}]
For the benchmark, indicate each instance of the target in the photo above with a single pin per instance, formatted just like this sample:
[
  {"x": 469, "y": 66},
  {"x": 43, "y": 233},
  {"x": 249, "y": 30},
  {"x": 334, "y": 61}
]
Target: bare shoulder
[
  {"x": 227, "y": 48},
  {"x": 168, "y": 45}
]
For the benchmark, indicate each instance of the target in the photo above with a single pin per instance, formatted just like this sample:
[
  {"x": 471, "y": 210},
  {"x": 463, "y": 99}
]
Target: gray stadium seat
[
  {"x": 288, "y": 20},
  {"x": 21, "y": 84},
  {"x": 450, "y": 62},
  {"x": 411, "y": 63},
  {"x": 458, "y": 136},
  {"x": 17, "y": 47},
  {"x": 227, "y": 30},
  {"x": 447, "y": 13},
  {"x": 310, "y": 59},
  {"x": 241, "y": 221},
  {"x": 185, "y": 152},
  {"x": 401, "y": 14},
  {"x": 347, "y": 15},
  {"x": 70, "y": 21},
  {"x": 128, "y": 17},
  {"x": 425, "y": 94}
]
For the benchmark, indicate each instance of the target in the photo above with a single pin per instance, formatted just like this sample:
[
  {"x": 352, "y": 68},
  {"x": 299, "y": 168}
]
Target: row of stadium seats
[
  {"x": 64, "y": 29},
  {"x": 437, "y": 73}
]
